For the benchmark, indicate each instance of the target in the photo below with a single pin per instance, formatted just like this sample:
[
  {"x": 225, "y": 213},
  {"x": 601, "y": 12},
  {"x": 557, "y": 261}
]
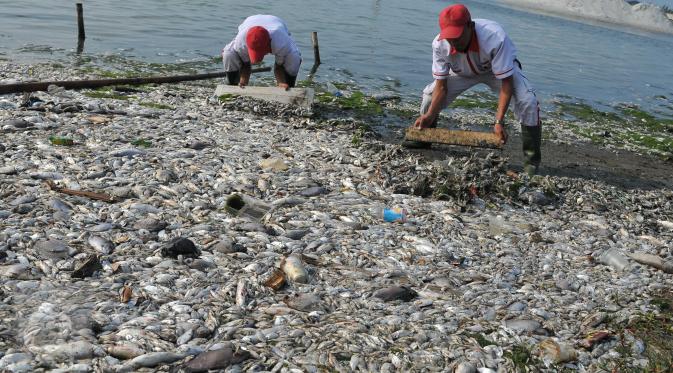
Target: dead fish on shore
[
  {"x": 404, "y": 293},
  {"x": 216, "y": 359},
  {"x": 102, "y": 245}
]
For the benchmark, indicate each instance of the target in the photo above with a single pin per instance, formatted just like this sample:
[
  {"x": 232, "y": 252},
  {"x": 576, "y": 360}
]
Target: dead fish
[
  {"x": 216, "y": 359},
  {"x": 152, "y": 225},
  {"x": 314, "y": 191},
  {"x": 102, "y": 227},
  {"x": 46, "y": 176},
  {"x": 404, "y": 293},
  {"x": 59, "y": 205},
  {"x": 241, "y": 293},
  {"x": 153, "y": 359},
  {"x": 289, "y": 201},
  {"x": 23, "y": 199},
  {"x": 304, "y": 302},
  {"x": 102, "y": 245},
  {"x": 125, "y": 351},
  {"x": 127, "y": 153}
]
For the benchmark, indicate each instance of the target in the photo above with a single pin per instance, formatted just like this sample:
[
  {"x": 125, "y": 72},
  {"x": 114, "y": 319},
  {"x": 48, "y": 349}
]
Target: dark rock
[
  {"x": 22, "y": 209},
  {"x": 180, "y": 246},
  {"x": 2, "y": 148},
  {"x": 87, "y": 268},
  {"x": 216, "y": 359},
  {"x": 3, "y": 256},
  {"x": 404, "y": 293},
  {"x": 314, "y": 191}
]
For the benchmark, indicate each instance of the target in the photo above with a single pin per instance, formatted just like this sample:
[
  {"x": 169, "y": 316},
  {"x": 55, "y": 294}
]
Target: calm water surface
[{"x": 381, "y": 45}]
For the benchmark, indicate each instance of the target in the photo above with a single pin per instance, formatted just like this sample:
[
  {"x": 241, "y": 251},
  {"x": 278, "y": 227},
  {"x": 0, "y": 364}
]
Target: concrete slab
[{"x": 296, "y": 96}]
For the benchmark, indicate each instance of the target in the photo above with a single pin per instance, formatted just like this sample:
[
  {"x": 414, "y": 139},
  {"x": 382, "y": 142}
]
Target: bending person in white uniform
[
  {"x": 468, "y": 52},
  {"x": 258, "y": 36}
]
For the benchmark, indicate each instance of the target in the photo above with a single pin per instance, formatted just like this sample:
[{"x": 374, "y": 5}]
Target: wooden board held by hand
[
  {"x": 296, "y": 96},
  {"x": 454, "y": 137}
]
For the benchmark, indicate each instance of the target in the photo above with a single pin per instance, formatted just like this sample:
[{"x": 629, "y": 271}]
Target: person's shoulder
[{"x": 488, "y": 27}]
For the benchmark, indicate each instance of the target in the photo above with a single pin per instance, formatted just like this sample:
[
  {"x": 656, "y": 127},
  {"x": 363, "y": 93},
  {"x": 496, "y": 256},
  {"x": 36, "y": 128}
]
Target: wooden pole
[
  {"x": 316, "y": 48},
  {"x": 80, "y": 22},
  {"x": 316, "y": 55},
  {"x": 97, "y": 83}
]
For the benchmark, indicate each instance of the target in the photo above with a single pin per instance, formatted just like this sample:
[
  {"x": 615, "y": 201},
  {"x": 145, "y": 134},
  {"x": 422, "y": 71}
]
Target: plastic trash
[
  {"x": 242, "y": 205},
  {"x": 390, "y": 214},
  {"x": 294, "y": 269},
  {"x": 555, "y": 352},
  {"x": 58, "y": 140},
  {"x": 615, "y": 259},
  {"x": 331, "y": 88}
]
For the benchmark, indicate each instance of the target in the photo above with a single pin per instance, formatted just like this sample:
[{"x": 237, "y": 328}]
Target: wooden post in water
[
  {"x": 316, "y": 54},
  {"x": 80, "y": 28},
  {"x": 316, "y": 48},
  {"x": 80, "y": 22}
]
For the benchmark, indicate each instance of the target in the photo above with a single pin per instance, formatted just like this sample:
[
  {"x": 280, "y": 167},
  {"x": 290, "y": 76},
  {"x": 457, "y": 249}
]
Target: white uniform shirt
[
  {"x": 490, "y": 52},
  {"x": 283, "y": 46}
]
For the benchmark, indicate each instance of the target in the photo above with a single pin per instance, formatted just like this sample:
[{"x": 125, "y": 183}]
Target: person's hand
[
  {"x": 285, "y": 86},
  {"x": 243, "y": 82},
  {"x": 500, "y": 131},
  {"x": 424, "y": 121}
]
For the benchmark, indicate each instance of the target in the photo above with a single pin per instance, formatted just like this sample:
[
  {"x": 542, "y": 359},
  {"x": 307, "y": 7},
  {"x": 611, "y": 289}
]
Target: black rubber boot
[
  {"x": 233, "y": 77},
  {"x": 410, "y": 144},
  {"x": 531, "y": 138},
  {"x": 291, "y": 80}
]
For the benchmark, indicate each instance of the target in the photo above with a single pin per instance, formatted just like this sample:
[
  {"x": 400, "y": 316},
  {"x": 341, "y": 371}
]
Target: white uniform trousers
[{"x": 526, "y": 106}]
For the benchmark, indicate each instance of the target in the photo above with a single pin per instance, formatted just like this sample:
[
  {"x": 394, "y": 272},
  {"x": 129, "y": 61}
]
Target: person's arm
[
  {"x": 438, "y": 96},
  {"x": 503, "y": 104},
  {"x": 246, "y": 70},
  {"x": 279, "y": 72}
]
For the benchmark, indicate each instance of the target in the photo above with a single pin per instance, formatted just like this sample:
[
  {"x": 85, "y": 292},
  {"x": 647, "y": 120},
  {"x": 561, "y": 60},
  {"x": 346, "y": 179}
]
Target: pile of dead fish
[{"x": 169, "y": 230}]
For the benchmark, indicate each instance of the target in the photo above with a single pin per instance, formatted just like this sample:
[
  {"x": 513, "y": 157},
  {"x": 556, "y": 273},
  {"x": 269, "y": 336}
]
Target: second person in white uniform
[{"x": 468, "y": 52}]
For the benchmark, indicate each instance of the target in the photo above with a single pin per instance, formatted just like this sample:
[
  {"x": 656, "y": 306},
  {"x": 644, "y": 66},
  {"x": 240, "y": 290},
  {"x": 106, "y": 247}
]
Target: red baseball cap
[
  {"x": 259, "y": 43},
  {"x": 452, "y": 21}
]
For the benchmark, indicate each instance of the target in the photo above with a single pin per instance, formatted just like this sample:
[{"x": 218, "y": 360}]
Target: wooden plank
[
  {"x": 295, "y": 96},
  {"x": 454, "y": 137}
]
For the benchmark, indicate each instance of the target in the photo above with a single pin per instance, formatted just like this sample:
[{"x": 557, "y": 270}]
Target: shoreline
[{"x": 489, "y": 270}]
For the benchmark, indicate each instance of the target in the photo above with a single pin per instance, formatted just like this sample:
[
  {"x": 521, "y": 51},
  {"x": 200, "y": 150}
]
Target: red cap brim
[
  {"x": 451, "y": 32},
  {"x": 256, "y": 56}
]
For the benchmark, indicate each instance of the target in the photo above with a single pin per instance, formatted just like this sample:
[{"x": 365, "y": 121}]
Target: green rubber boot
[{"x": 531, "y": 138}]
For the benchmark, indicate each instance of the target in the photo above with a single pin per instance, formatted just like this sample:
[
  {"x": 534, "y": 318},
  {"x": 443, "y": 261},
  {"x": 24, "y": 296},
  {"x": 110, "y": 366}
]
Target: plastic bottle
[
  {"x": 331, "y": 88},
  {"x": 294, "y": 269},
  {"x": 244, "y": 205},
  {"x": 390, "y": 214},
  {"x": 58, "y": 140},
  {"x": 615, "y": 259}
]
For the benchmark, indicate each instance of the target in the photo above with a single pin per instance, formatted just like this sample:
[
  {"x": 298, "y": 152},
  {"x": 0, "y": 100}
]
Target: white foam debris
[{"x": 642, "y": 15}]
